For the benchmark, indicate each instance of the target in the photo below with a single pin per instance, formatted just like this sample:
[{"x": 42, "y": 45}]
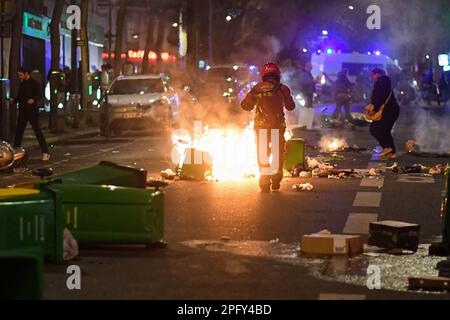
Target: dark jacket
[
  {"x": 307, "y": 84},
  {"x": 28, "y": 89},
  {"x": 380, "y": 94},
  {"x": 269, "y": 98},
  {"x": 342, "y": 85}
]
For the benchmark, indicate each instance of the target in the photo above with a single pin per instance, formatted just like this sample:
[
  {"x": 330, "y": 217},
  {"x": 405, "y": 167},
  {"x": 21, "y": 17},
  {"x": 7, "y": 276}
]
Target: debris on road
[
  {"x": 225, "y": 238},
  {"x": 303, "y": 187},
  {"x": 373, "y": 172},
  {"x": 274, "y": 241},
  {"x": 168, "y": 174},
  {"x": 394, "y": 235},
  {"x": 331, "y": 244},
  {"x": 70, "y": 245},
  {"x": 428, "y": 283},
  {"x": 418, "y": 168},
  {"x": 305, "y": 174},
  {"x": 67, "y": 154}
]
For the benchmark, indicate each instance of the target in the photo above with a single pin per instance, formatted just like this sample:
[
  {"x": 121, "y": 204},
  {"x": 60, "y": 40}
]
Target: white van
[
  {"x": 326, "y": 67},
  {"x": 355, "y": 63}
]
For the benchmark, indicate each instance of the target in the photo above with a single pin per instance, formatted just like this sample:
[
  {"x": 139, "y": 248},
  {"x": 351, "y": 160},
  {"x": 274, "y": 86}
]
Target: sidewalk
[{"x": 30, "y": 142}]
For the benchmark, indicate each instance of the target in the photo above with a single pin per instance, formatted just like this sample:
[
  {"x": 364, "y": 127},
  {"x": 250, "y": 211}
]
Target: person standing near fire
[
  {"x": 383, "y": 99},
  {"x": 270, "y": 97}
]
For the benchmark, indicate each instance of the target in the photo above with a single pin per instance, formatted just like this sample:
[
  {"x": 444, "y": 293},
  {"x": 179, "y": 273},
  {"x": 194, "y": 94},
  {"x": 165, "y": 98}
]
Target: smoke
[{"x": 431, "y": 133}]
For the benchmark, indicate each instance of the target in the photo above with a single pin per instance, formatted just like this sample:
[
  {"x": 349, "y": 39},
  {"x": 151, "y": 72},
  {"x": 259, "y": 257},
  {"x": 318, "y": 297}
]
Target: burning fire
[
  {"x": 233, "y": 151},
  {"x": 330, "y": 144}
]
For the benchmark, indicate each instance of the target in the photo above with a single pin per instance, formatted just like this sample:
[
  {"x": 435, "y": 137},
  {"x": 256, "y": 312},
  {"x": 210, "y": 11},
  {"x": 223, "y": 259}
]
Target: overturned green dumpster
[
  {"x": 85, "y": 206},
  {"x": 21, "y": 274}
]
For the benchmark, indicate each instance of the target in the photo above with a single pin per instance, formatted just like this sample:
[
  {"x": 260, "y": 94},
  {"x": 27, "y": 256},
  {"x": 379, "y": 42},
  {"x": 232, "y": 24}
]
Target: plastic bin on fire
[
  {"x": 295, "y": 153},
  {"x": 106, "y": 173},
  {"x": 93, "y": 214},
  {"x": 22, "y": 274}
]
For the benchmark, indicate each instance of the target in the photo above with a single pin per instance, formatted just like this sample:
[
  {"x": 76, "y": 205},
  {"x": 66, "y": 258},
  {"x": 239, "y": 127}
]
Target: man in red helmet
[{"x": 270, "y": 97}]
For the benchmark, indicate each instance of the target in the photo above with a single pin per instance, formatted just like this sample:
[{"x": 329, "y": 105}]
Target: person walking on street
[
  {"x": 270, "y": 97},
  {"x": 28, "y": 95},
  {"x": 342, "y": 88},
  {"x": 307, "y": 85},
  {"x": 383, "y": 98}
]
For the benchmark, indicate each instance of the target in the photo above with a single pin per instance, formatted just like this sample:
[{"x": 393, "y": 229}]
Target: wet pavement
[{"x": 254, "y": 252}]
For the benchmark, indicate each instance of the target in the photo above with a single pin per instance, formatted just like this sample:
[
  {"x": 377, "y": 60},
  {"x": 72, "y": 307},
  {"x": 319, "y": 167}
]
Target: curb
[{"x": 56, "y": 139}]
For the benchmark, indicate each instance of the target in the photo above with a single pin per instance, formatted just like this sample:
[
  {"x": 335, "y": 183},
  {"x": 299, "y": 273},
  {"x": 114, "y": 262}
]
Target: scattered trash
[
  {"x": 330, "y": 244},
  {"x": 168, "y": 174},
  {"x": 303, "y": 187},
  {"x": 373, "y": 172},
  {"x": 20, "y": 170},
  {"x": 67, "y": 154},
  {"x": 274, "y": 241},
  {"x": 394, "y": 235},
  {"x": 305, "y": 174},
  {"x": 225, "y": 238},
  {"x": 115, "y": 151},
  {"x": 70, "y": 245},
  {"x": 428, "y": 283},
  {"x": 418, "y": 168}
]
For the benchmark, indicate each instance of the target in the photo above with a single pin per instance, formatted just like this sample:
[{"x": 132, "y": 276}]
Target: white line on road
[
  {"x": 358, "y": 223},
  {"x": 375, "y": 182},
  {"x": 367, "y": 199}
]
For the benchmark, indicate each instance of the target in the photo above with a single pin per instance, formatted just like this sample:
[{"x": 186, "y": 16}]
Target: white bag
[{"x": 306, "y": 117}]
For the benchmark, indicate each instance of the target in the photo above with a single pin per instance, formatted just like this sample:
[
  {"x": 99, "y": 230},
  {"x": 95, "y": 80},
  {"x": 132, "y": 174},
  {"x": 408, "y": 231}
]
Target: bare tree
[
  {"x": 119, "y": 35},
  {"x": 55, "y": 58},
  {"x": 15, "y": 57},
  {"x": 149, "y": 38}
]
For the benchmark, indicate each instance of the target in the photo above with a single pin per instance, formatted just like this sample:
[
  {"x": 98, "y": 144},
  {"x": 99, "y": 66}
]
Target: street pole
[
  {"x": 443, "y": 248},
  {"x": 210, "y": 32},
  {"x": 110, "y": 31},
  {"x": 2, "y": 40}
]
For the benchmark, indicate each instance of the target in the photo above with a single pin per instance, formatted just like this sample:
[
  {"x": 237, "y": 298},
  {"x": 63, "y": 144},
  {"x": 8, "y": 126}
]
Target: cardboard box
[
  {"x": 330, "y": 244},
  {"x": 394, "y": 235}
]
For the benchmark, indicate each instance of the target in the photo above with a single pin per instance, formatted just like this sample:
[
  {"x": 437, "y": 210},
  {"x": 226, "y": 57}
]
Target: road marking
[
  {"x": 376, "y": 182},
  {"x": 367, "y": 199},
  {"x": 415, "y": 179},
  {"x": 358, "y": 223},
  {"x": 339, "y": 296}
]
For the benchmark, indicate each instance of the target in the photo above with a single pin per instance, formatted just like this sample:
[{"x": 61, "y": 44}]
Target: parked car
[{"x": 138, "y": 102}]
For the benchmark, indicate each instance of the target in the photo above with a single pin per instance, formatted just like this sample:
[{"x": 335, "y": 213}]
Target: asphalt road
[{"x": 260, "y": 260}]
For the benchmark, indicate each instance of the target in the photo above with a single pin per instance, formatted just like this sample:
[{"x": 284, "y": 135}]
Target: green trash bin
[
  {"x": 27, "y": 219},
  {"x": 106, "y": 173},
  {"x": 22, "y": 273},
  {"x": 295, "y": 153},
  {"x": 197, "y": 164},
  {"x": 93, "y": 214},
  {"x": 110, "y": 214}
]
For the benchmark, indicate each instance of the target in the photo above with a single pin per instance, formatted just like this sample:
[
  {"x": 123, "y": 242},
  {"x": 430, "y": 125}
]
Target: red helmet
[{"x": 270, "y": 68}]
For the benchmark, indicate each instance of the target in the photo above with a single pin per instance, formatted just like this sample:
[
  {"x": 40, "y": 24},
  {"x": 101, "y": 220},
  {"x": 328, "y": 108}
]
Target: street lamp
[
  {"x": 175, "y": 25},
  {"x": 305, "y": 50},
  {"x": 324, "y": 32},
  {"x": 350, "y": 7},
  {"x": 228, "y": 18},
  {"x": 135, "y": 36}
]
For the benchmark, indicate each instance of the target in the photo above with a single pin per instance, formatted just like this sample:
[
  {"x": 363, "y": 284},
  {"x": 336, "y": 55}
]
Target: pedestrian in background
[
  {"x": 307, "y": 86},
  {"x": 342, "y": 96},
  {"x": 29, "y": 94},
  {"x": 383, "y": 99}
]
